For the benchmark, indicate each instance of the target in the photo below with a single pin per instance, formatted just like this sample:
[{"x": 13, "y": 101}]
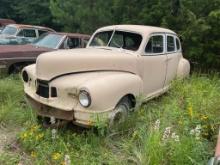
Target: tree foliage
[{"x": 195, "y": 21}]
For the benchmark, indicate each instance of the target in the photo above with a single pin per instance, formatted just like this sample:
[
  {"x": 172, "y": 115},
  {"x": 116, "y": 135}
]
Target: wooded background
[{"x": 197, "y": 22}]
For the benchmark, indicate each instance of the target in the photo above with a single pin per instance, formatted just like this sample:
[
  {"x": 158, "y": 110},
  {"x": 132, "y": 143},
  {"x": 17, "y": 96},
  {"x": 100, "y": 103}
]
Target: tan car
[{"x": 120, "y": 64}]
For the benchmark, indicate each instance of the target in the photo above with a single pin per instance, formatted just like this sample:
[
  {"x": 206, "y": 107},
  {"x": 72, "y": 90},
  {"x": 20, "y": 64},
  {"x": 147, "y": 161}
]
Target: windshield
[
  {"x": 49, "y": 41},
  {"x": 120, "y": 39},
  {"x": 9, "y": 30}
]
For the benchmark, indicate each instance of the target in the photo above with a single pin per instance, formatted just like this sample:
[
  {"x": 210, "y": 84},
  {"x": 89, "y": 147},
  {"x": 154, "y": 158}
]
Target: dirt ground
[{"x": 7, "y": 137}]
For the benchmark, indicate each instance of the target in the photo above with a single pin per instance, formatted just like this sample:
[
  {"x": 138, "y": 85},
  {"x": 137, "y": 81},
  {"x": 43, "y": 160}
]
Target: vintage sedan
[
  {"x": 18, "y": 34},
  {"x": 14, "y": 57},
  {"x": 106, "y": 80}
]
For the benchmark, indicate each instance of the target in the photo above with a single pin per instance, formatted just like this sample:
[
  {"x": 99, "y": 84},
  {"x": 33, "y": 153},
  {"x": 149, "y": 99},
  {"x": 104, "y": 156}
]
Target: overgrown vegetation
[{"x": 179, "y": 127}]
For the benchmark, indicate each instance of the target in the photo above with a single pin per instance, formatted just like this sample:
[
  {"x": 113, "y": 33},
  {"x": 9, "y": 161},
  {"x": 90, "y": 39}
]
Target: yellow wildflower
[
  {"x": 204, "y": 117},
  {"x": 56, "y": 156},
  {"x": 63, "y": 163},
  {"x": 33, "y": 154},
  {"x": 180, "y": 122},
  {"x": 190, "y": 111},
  {"x": 34, "y": 128},
  {"x": 39, "y": 136},
  {"x": 24, "y": 135}
]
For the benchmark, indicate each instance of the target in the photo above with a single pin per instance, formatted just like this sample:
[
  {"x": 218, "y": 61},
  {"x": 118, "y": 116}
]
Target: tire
[
  {"x": 120, "y": 113},
  {"x": 16, "y": 68}
]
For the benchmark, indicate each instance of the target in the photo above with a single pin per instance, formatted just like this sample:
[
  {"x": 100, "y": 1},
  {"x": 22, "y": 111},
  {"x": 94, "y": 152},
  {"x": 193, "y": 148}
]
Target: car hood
[
  {"x": 19, "y": 51},
  {"x": 54, "y": 64}
]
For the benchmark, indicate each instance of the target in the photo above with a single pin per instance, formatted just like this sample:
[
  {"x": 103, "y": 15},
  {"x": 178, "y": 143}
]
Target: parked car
[
  {"x": 120, "y": 64},
  {"x": 18, "y": 34},
  {"x": 4, "y": 22},
  {"x": 14, "y": 57}
]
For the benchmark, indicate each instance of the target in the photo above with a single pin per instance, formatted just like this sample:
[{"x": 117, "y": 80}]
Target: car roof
[
  {"x": 6, "y": 21},
  {"x": 31, "y": 26},
  {"x": 72, "y": 34},
  {"x": 142, "y": 29}
]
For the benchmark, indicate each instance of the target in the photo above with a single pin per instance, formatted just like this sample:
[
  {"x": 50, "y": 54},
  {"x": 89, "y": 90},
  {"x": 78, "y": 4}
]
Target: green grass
[{"x": 188, "y": 104}]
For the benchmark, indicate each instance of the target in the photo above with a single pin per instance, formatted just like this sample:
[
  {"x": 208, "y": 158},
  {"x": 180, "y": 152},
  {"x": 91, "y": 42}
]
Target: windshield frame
[{"x": 113, "y": 32}]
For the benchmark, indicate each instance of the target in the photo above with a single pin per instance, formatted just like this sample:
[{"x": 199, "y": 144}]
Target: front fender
[{"x": 107, "y": 90}]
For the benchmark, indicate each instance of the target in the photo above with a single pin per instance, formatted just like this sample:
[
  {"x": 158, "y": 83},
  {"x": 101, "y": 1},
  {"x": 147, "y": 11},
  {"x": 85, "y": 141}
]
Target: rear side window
[
  {"x": 177, "y": 44},
  {"x": 73, "y": 43},
  {"x": 155, "y": 44},
  {"x": 27, "y": 33},
  {"x": 170, "y": 44}
]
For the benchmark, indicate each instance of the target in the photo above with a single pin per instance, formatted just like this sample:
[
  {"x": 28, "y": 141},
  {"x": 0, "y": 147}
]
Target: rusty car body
[
  {"x": 14, "y": 57},
  {"x": 19, "y": 34},
  {"x": 120, "y": 64}
]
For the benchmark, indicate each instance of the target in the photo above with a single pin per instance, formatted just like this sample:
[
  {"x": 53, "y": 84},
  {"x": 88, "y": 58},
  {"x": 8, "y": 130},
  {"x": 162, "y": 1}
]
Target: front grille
[
  {"x": 42, "y": 88},
  {"x": 53, "y": 92}
]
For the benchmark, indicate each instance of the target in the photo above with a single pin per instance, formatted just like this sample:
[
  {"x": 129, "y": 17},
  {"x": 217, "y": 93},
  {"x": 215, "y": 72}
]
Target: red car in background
[{"x": 14, "y": 57}]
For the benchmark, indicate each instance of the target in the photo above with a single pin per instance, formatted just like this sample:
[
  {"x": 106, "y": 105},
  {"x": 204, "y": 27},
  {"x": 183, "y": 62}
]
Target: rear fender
[{"x": 183, "y": 68}]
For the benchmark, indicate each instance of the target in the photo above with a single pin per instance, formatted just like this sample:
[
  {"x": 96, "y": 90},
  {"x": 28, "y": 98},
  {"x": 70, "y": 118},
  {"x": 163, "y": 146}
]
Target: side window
[
  {"x": 155, "y": 44},
  {"x": 73, "y": 43},
  {"x": 27, "y": 33},
  {"x": 40, "y": 32},
  {"x": 177, "y": 44},
  {"x": 170, "y": 44}
]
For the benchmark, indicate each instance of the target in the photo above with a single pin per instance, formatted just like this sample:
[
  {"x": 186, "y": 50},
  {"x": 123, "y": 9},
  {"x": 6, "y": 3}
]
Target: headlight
[
  {"x": 25, "y": 76},
  {"x": 84, "y": 99}
]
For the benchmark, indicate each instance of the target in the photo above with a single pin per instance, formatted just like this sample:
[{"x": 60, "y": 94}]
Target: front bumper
[
  {"x": 48, "y": 111},
  {"x": 78, "y": 117}
]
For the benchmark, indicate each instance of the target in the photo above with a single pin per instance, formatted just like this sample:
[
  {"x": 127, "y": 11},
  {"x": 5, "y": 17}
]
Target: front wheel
[{"x": 120, "y": 113}]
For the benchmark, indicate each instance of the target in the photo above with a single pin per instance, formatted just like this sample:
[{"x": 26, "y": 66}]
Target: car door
[
  {"x": 173, "y": 51},
  {"x": 154, "y": 64}
]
